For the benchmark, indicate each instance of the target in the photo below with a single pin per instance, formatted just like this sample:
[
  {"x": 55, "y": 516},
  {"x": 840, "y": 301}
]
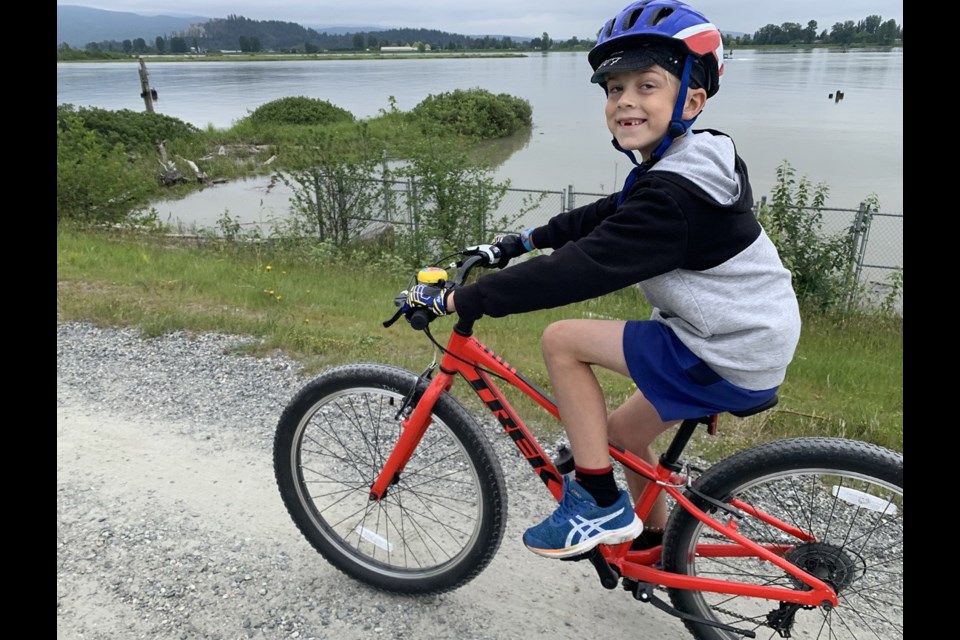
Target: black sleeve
[
  {"x": 644, "y": 237},
  {"x": 574, "y": 224}
]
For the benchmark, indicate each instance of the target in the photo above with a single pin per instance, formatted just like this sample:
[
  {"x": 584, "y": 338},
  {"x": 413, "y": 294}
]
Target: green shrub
[
  {"x": 475, "y": 113},
  {"x": 96, "y": 181},
  {"x": 134, "y": 130},
  {"x": 334, "y": 180},
  {"x": 67, "y": 54},
  {"x": 299, "y": 110},
  {"x": 454, "y": 199},
  {"x": 823, "y": 266}
]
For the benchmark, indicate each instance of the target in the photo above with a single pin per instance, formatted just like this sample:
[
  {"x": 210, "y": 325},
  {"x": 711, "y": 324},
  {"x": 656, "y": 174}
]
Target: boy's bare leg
[
  {"x": 634, "y": 426},
  {"x": 570, "y": 349}
]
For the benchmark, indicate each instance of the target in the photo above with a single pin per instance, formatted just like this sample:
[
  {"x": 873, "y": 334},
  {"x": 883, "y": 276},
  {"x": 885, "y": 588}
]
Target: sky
[{"x": 560, "y": 19}]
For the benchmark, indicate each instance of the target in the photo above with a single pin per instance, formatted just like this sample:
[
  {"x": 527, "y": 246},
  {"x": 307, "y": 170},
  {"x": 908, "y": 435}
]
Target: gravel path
[{"x": 169, "y": 523}]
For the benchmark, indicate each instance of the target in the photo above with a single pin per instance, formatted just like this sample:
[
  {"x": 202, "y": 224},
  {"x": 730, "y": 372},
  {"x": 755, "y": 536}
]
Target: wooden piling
[{"x": 145, "y": 91}]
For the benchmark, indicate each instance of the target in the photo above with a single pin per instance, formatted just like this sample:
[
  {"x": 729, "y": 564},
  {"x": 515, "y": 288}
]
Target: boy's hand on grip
[
  {"x": 510, "y": 246},
  {"x": 427, "y": 296}
]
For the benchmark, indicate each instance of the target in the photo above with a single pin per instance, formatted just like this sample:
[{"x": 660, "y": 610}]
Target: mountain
[{"x": 78, "y": 25}]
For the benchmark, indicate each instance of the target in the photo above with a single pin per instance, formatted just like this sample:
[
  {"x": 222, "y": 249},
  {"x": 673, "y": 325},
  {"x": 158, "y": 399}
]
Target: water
[{"x": 775, "y": 105}]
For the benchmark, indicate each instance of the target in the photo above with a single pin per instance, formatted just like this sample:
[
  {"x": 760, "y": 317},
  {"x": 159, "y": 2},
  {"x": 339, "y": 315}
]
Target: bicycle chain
[{"x": 731, "y": 614}]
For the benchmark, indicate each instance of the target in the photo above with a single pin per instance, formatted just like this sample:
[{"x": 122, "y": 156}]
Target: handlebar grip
[{"x": 420, "y": 318}]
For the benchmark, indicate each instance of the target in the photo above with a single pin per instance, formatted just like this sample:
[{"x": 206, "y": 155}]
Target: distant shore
[
  {"x": 377, "y": 55},
  {"x": 286, "y": 57}
]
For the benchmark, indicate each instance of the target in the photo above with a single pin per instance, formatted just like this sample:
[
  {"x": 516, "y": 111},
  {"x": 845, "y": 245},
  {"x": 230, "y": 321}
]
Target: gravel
[{"x": 169, "y": 524}]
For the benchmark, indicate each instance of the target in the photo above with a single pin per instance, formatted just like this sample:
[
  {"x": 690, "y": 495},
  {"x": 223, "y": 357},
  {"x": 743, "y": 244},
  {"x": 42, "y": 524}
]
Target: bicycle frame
[{"x": 469, "y": 358}]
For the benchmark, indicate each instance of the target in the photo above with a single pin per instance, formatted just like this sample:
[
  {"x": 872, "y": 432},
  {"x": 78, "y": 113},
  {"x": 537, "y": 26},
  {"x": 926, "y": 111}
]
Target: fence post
[
  {"x": 861, "y": 232},
  {"x": 412, "y": 213},
  {"x": 758, "y": 206},
  {"x": 861, "y": 223},
  {"x": 483, "y": 217},
  {"x": 571, "y": 200},
  {"x": 387, "y": 192}
]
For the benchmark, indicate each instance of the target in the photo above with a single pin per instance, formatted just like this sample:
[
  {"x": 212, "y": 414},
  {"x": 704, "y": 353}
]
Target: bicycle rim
[
  {"x": 857, "y": 521},
  {"x": 429, "y": 519}
]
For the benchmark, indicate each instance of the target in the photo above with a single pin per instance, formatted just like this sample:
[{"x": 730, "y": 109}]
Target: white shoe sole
[{"x": 616, "y": 536}]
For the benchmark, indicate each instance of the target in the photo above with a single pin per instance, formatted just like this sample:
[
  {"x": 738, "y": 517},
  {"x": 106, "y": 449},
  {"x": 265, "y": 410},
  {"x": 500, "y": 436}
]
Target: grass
[{"x": 846, "y": 378}]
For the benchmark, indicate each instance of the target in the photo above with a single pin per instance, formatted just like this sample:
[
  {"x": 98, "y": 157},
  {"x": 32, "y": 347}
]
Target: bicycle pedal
[{"x": 582, "y": 556}]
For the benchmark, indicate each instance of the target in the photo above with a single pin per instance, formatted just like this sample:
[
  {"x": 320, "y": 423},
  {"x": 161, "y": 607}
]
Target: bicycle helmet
[
  {"x": 661, "y": 32},
  {"x": 668, "y": 33}
]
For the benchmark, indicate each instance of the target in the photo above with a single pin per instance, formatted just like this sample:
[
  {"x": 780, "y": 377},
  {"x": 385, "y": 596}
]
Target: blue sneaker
[{"x": 579, "y": 524}]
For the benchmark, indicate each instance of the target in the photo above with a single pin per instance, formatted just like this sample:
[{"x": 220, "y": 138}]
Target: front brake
[
  {"x": 401, "y": 302},
  {"x": 412, "y": 397}
]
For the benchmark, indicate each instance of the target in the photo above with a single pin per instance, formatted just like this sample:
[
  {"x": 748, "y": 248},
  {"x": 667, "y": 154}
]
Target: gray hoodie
[{"x": 685, "y": 233}]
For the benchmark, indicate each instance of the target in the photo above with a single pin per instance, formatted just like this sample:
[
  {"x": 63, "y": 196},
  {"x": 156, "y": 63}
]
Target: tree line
[
  {"x": 237, "y": 33},
  {"x": 872, "y": 30}
]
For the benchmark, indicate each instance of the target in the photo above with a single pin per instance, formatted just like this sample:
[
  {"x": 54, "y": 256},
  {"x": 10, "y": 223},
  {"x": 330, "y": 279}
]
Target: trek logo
[{"x": 516, "y": 433}]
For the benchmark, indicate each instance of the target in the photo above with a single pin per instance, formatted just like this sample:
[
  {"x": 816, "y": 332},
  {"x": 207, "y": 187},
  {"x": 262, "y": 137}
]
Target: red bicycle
[{"x": 395, "y": 483}]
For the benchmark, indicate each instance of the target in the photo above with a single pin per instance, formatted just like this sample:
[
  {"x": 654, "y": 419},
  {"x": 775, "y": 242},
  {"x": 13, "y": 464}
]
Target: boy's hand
[
  {"x": 491, "y": 253},
  {"x": 429, "y": 297},
  {"x": 512, "y": 245}
]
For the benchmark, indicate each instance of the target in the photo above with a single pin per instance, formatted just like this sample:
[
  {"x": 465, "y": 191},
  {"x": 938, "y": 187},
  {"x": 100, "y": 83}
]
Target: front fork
[{"x": 412, "y": 429}]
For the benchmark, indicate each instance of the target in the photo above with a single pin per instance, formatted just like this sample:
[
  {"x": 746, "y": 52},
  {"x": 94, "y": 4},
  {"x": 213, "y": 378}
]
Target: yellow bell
[{"x": 431, "y": 275}]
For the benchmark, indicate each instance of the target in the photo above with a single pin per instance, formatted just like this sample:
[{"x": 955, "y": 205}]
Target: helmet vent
[
  {"x": 658, "y": 16},
  {"x": 632, "y": 18},
  {"x": 608, "y": 29}
]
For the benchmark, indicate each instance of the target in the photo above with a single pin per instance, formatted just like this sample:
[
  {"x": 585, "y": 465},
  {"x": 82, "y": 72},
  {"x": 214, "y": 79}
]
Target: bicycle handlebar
[{"x": 420, "y": 317}]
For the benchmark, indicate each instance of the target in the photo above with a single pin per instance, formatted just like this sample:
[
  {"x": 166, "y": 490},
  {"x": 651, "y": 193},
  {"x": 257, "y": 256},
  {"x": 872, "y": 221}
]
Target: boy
[{"x": 725, "y": 319}]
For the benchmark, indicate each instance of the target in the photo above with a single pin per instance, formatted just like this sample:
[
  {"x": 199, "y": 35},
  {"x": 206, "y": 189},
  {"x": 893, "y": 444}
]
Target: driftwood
[
  {"x": 171, "y": 174},
  {"x": 201, "y": 175}
]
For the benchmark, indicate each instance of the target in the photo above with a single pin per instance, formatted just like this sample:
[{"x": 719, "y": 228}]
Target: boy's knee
[{"x": 556, "y": 336}]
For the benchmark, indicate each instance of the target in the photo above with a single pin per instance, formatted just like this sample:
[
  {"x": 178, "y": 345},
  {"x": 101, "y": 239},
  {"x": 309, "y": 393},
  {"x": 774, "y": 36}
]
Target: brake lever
[
  {"x": 394, "y": 318},
  {"x": 400, "y": 301}
]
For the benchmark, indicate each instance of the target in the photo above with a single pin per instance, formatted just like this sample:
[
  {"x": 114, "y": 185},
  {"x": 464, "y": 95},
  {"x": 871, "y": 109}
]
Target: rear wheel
[
  {"x": 848, "y": 494},
  {"x": 442, "y": 521}
]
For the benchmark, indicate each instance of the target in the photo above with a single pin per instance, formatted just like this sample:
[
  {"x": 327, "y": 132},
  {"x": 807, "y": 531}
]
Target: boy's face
[{"x": 640, "y": 106}]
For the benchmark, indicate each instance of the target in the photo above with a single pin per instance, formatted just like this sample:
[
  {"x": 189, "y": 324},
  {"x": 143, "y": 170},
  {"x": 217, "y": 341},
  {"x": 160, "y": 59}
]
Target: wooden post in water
[{"x": 145, "y": 91}]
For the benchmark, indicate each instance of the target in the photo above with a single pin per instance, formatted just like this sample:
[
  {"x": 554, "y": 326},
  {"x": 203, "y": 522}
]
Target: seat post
[{"x": 671, "y": 456}]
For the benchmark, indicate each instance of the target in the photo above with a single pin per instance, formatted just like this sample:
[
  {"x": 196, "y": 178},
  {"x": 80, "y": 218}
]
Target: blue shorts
[{"x": 677, "y": 383}]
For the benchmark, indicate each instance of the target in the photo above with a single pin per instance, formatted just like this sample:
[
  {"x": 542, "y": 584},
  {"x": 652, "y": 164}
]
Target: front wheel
[
  {"x": 847, "y": 494},
  {"x": 442, "y": 520}
]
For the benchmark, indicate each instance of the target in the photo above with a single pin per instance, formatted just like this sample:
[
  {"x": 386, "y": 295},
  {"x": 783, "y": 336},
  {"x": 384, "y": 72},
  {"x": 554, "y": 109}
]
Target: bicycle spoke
[
  {"x": 425, "y": 519},
  {"x": 857, "y": 546}
]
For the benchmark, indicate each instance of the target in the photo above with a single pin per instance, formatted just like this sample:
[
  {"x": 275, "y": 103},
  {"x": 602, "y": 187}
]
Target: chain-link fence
[{"x": 878, "y": 242}]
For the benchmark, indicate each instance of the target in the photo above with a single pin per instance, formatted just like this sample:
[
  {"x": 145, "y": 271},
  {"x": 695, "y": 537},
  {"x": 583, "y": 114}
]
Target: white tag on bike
[
  {"x": 374, "y": 538},
  {"x": 864, "y": 500}
]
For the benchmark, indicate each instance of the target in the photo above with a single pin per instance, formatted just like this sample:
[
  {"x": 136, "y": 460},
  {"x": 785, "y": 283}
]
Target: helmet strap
[
  {"x": 632, "y": 176},
  {"x": 678, "y": 126}
]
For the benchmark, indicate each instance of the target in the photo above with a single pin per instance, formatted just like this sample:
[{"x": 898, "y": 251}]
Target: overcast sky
[{"x": 561, "y": 19}]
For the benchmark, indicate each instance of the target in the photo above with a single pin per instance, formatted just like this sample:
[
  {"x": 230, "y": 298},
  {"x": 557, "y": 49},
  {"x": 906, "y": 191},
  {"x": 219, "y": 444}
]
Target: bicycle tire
[
  {"x": 849, "y": 494},
  {"x": 439, "y": 524}
]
